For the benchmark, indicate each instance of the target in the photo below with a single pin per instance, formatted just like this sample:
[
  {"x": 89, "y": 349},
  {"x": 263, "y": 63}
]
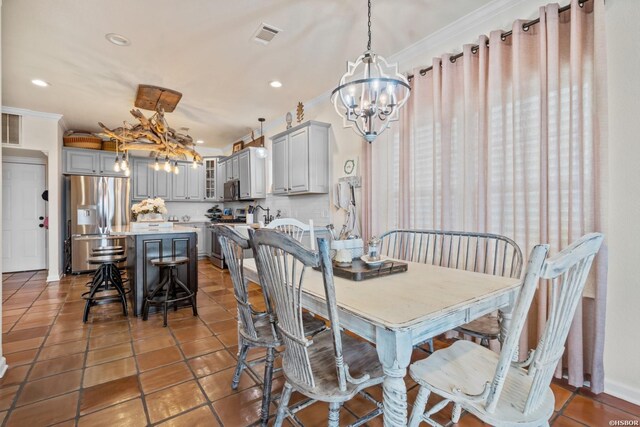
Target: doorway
[{"x": 23, "y": 215}]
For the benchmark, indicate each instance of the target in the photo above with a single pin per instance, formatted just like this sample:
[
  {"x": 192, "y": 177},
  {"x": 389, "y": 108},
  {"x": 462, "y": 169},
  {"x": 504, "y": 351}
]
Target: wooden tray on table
[{"x": 359, "y": 270}]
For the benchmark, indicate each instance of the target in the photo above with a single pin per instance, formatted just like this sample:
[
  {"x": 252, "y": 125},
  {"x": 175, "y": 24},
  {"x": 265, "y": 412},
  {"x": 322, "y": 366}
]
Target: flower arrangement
[{"x": 148, "y": 206}]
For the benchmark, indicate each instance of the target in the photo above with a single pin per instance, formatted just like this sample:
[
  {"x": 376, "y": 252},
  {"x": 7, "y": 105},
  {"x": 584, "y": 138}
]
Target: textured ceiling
[{"x": 201, "y": 48}]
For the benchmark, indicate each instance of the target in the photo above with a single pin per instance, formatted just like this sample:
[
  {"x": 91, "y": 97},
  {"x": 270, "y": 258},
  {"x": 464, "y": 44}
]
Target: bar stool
[
  {"x": 102, "y": 251},
  {"x": 108, "y": 275},
  {"x": 170, "y": 285}
]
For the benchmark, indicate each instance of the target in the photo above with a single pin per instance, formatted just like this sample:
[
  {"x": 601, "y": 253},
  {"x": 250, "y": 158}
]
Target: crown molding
[
  {"x": 443, "y": 35},
  {"x": 31, "y": 113}
]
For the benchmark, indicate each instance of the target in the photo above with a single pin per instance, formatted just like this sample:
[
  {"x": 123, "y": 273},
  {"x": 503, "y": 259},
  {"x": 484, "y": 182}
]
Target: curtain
[{"x": 509, "y": 139}]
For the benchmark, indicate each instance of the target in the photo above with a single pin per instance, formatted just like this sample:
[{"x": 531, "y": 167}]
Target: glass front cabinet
[{"x": 210, "y": 166}]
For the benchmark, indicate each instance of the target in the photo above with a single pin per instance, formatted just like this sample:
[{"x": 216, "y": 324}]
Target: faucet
[{"x": 267, "y": 217}]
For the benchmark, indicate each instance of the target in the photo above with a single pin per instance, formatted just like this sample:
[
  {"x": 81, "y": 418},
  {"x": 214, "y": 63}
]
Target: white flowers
[{"x": 148, "y": 206}]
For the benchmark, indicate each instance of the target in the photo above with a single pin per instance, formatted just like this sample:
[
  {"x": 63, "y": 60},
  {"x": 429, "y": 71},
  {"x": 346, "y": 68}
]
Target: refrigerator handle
[
  {"x": 105, "y": 183},
  {"x": 101, "y": 203}
]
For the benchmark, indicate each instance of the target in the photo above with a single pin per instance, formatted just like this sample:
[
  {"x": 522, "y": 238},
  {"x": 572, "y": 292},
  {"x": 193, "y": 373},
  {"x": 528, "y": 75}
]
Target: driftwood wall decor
[{"x": 152, "y": 134}]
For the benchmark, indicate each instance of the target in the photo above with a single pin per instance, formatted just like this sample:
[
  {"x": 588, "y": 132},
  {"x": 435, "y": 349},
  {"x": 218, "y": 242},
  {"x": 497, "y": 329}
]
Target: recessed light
[
  {"x": 199, "y": 141},
  {"x": 39, "y": 82},
  {"x": 117, "y": 39},
  {"x": 275, "y": 83}
]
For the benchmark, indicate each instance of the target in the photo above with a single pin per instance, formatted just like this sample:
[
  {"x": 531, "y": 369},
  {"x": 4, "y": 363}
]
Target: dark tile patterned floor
[{"x": 117, "y": 371}]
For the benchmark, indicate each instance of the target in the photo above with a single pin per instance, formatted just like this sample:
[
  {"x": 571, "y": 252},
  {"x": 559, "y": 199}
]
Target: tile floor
[{"x": 117, "y": 371}]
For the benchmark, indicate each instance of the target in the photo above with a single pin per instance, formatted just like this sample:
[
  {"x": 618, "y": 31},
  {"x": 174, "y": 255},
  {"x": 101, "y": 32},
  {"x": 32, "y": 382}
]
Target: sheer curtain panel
[{"x": 510, "y": 139}]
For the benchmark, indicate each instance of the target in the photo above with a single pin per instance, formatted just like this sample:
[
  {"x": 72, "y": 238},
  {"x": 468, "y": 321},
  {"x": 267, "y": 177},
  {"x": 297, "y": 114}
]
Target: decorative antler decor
[{"x": 152, "y": 134}]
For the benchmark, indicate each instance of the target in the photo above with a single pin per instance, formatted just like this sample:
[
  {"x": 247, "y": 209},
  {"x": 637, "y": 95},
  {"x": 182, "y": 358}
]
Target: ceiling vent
[
  {"x": 265, "y": 33},
  {"x": 10, "y": 129}
]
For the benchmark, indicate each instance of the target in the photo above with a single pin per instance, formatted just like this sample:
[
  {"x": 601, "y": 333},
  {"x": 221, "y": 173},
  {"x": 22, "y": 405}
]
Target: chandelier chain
[{"x": 369, "y": 25}]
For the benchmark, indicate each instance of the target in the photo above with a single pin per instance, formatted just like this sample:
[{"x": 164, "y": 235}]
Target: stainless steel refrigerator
[{"x": 94, "y": 205}]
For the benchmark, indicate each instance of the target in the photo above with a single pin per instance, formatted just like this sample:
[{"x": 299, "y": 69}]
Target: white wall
[
  {"x": 622, "y": 341},
  {"x": 42, "y": 132}
]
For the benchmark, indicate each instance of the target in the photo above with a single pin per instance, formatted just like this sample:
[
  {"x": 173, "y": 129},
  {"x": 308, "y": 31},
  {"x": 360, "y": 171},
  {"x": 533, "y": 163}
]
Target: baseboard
[
  {"x": 622, "y": 391},
  {"x": 3, "y": 366},
  {"x": 54, "y": 278}
]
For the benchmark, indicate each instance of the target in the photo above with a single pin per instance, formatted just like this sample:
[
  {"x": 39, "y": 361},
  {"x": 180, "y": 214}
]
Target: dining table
[{"x": 396, "y": 312}]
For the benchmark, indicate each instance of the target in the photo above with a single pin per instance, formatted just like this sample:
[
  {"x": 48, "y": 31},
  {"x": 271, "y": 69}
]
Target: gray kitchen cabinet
[
  {"x": 280, "y": 161},
  {"x": 235, "y": 167},
  {"x": 195, "y": 183},
  {"x": 244, "y": 174},
  {"x": 142, "y": 177},
  {"x": 162, "y": 184},
  {"x": 81, "y": 162},
  {"x": 229, "y": 172},
  {"x": 221, "y": 178},
  {"x": 106, "y": 162},
  {"x": 188, "y": 183},
  {"x": 300, "y": 159},
  {"x": 180, "y": 183},
  {"x": 211, "y": 178}
]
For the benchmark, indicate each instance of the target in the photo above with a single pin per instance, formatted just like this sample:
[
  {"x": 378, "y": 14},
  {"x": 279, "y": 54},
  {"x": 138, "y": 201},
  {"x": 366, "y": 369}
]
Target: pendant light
[
  {"x": 176, "y": 169},
  {"x": 156, "y": 166},
  {"x": 261, "y": 152},
  {"x": 370, "y": 93},
  {"x": 116, "y": 165},
  {"x": 167, "y": 164}
]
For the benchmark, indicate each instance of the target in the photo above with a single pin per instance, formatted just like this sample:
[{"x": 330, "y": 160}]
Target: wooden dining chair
[
  {"x": 255, "y": 328},
  {"x": 331, "y": 367},
  {"x": 295, "y": 229},
  {"x": 474, "y": 377},
  {"x": 480, "y": 252}
]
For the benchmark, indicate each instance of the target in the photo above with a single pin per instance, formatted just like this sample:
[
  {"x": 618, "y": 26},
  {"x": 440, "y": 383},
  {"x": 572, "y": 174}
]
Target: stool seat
[
  {"x": 108, "y": 248},
  {"x": 169, "y": 261},
  {"x": 110, "y": 252},
  {"x": 106, "y": 259}
]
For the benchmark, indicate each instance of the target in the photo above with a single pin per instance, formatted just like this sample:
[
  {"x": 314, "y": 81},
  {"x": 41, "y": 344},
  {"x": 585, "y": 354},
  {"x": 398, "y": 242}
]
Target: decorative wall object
[
  {"x": 289, "y": 119},
  {"x": 300, "y": 112},
  {"x": 237, "y": 146}
]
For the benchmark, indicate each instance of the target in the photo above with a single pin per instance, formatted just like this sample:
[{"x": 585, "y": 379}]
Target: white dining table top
[{"x": 404, "y": 299}]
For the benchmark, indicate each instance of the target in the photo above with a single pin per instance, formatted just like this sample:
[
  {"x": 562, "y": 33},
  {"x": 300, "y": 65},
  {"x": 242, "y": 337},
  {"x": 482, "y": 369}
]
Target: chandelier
[
  {"x": 370, "y": 93},
  {"x": 151, "y": 134}
]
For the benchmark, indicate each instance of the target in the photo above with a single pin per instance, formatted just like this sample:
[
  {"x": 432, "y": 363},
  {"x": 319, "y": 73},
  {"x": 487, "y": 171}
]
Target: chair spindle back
[
  {"x": 281, "y": 262},
  {"x": 233, "y": 245},
  {"x": 294, "y": 228},
  {"x": 480, "y": 252},
  {"x": 571, "y": 266}
]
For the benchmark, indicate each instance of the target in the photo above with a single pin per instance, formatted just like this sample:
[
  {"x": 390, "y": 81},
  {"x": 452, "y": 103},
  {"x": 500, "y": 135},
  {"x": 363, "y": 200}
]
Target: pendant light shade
[{"x": 370, "y": 93}]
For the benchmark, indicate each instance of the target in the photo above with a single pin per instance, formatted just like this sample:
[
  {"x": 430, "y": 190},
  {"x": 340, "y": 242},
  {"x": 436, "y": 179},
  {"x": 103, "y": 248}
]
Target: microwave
[{"x": 232, "y": 190}]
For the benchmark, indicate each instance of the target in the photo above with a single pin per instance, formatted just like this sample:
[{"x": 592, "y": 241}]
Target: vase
[{"x": 150, "y": 217}]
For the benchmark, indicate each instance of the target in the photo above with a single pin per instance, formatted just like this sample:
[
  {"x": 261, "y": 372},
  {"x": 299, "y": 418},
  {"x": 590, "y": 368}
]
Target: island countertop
[{"x": 127, "y": 231}]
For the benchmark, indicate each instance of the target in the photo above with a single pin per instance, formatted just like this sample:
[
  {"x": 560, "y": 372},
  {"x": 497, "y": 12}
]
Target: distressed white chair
[
  {"x": 480, "y": 252},
  {"x": 295, "y": 229},
  {"x": 474, "y": 377},
  {"x": 255, "y": 328},
  {"x": 331, "y": 367}
]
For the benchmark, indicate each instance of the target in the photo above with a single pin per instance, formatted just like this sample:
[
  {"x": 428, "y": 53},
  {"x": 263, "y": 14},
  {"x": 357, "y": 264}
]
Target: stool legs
[
  {"x": 170, "y": 284},
  {"x": 106, "y": 276}
]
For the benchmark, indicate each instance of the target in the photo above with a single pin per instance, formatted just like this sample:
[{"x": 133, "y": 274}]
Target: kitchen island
[{"x": 145, "y": 245}]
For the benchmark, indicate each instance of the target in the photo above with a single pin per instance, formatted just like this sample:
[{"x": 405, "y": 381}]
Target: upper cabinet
[
  {"x": 221, "y": 178},
  {"x": 78, "y": 161},
  {"x": 211, "y": 178},
  {"x": 249, "y": 168},
  {"x": 300, "y": 161},
  {"x": 188, "y": 184}
]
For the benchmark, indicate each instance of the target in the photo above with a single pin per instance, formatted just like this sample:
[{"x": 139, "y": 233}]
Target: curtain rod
[{"x": 503, "y": 37}]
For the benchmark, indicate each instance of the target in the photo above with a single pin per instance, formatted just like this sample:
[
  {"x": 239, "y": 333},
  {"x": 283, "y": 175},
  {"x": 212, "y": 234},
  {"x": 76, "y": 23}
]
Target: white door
[{"x": 23, "y": 237}]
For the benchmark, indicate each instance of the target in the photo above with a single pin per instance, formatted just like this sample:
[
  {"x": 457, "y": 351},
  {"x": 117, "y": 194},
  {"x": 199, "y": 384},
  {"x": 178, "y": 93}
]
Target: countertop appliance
[
  {"x": 232, "y": 190},
  {"x": 94, "y": 204}
]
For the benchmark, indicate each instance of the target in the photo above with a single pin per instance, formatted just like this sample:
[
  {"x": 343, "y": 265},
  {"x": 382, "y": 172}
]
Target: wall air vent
[
  {"x": 10, "y": 129},
  {"x": 265, "y": 33}
]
